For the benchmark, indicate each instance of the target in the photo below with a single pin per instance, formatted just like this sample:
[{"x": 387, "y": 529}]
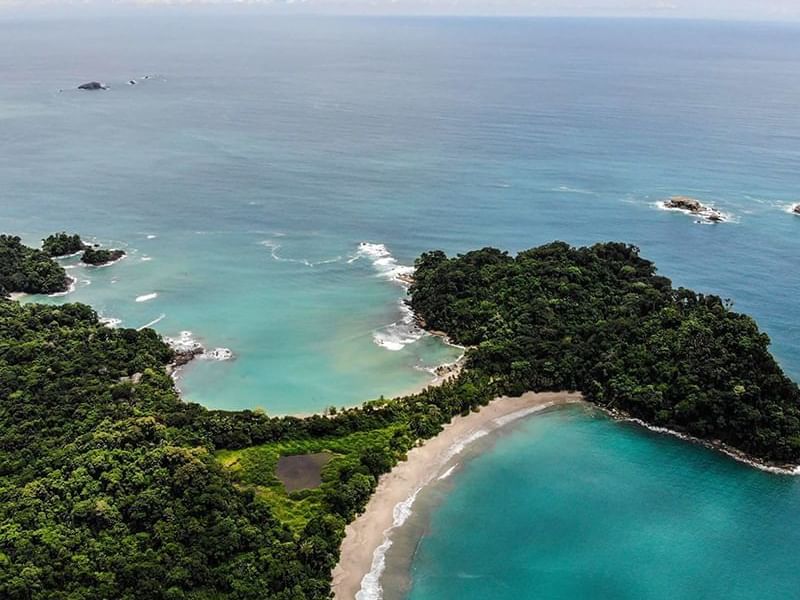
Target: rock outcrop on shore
[
  {"x": 92, "y": 85},
  {"x": 185, "y": 356},
  {"x": 695, "y": 207}
]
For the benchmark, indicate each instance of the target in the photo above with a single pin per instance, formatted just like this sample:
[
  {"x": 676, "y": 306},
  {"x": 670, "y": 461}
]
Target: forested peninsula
[
  {"x": 112, "y": 487},
  {"x": 601, "y": 321},
  {"x": 28, "y": 270}
]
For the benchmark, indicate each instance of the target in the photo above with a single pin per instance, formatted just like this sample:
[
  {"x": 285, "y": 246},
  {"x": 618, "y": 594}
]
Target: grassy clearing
[{"x": 255, "y": 468}]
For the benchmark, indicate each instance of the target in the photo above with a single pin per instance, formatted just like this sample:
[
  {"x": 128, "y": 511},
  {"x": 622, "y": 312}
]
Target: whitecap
[
  {"x": 152, "y": 236},
  {"x": 146, "y": 297},
  {"x": 146, "y": 258},
  {"x": 158, "y": 319},
  {"x": 565, "y": 189}
]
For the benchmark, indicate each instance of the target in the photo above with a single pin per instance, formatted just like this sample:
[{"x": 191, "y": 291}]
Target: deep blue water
[{"x": 262, "y": 151}]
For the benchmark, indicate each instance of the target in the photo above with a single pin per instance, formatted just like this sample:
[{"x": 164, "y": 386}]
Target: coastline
[
  {"x": 367, "y": 537},
  {"x": 715, "y": 445}
]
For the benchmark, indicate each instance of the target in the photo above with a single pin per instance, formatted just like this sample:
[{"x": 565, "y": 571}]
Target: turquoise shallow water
[
  {"x": 570, "y": 504},
  {"x": 263, "y": 151}
]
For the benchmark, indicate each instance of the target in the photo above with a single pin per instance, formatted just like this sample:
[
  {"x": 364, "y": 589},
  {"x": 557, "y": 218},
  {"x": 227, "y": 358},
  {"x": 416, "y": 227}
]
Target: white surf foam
[
  {"x": 401, "y": 333},
  {"x": 110, "y": 322},
  {"x": 64, "y": 256},
  {"x": 152, "y": 236},
  {"x": 790, "y": 208},
  {"x": 217, "y": 354},
  {"x": 146, "y": 297},
  {"x": 459, "y": 446},
  {"x": 370, "y": 584},
  {"x": 371, "y": 588},
  {"x": 274, "y": 246},
  {"x": 447, "y": 473},
  {"x": 509, "y": 418},
  {"x": 383, "y": 262},
  {"x": 394, "y": 336},
  {"x": 186, "y": 342}
]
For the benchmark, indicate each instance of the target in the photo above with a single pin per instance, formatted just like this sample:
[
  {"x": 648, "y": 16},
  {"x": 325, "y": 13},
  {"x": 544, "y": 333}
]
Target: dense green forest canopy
[
  {"x": 112, "y": 487},
  {"x": 600, "y": 320},
  {"x": 62, "y": 244},
  {"x": 28, "y": 270}
]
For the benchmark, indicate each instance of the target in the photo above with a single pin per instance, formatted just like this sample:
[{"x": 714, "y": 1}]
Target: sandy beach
[{"x": 368, "y": 531}]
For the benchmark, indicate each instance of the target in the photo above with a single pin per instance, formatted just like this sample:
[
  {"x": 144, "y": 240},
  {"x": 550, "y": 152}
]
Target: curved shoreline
[{"x": 368, "y": 537}]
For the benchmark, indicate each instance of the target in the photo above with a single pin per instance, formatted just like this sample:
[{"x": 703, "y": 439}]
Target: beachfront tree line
[{"x": 112, "y": 487}]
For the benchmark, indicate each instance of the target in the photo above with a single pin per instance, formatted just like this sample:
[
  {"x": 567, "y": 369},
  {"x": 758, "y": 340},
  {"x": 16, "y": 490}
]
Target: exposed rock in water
[
  {"x": 684, "y": 203},
  {"x": 92, "y": 85},
  {"x": 796, "y": 209},
  {"x": 132, "y": 82},
  {"x": 695, "y": 207}
]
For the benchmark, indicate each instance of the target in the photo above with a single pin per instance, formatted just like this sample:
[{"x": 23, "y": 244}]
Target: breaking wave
[
  {"x": 383, "y": 262},
  {"x": 394, "y": 336}
]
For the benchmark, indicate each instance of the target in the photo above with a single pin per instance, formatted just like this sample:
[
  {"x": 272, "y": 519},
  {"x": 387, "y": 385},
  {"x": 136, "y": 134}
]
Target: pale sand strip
[{"x": 424, "y": 463}]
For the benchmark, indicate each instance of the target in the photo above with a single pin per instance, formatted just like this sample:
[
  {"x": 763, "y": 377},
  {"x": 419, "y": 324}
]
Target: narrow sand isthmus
[{"x": 364, "y": 535}]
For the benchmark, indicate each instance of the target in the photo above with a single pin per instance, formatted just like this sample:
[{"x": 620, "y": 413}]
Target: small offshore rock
[
  {"x": 684, "y": 203},
  {"x": 92, "y": 85}
]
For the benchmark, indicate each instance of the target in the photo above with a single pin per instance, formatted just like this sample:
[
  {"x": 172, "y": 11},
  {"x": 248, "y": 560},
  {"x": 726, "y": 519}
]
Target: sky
[{"x": 780, "y": 10}]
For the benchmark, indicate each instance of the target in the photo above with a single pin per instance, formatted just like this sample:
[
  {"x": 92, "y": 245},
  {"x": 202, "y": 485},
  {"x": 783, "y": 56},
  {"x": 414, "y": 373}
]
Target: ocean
[{"x": 269, "y": 178}]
